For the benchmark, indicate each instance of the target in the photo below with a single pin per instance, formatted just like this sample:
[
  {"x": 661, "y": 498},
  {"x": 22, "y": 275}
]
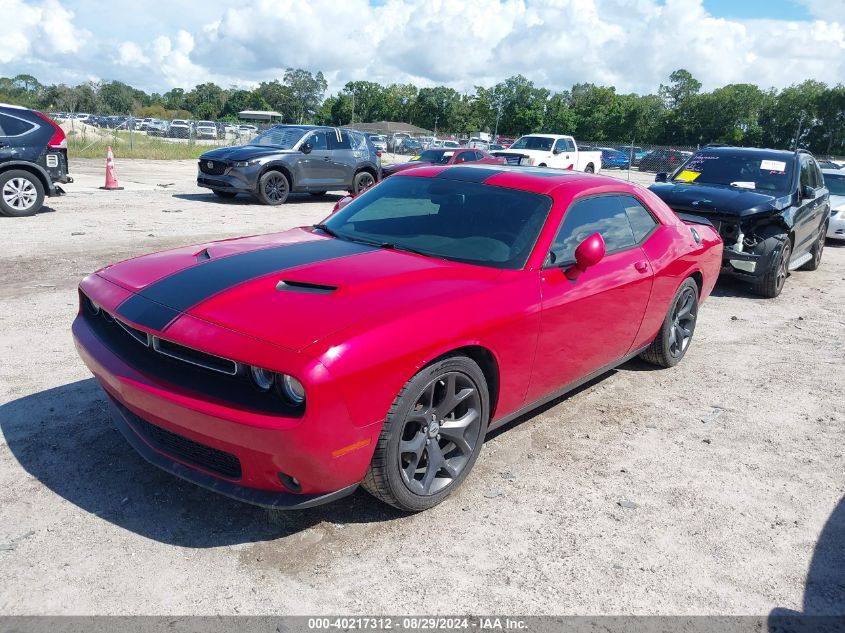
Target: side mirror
[
  {"x": 305, "y": 148},
  {"x": 342, "y": 203},
  {"x": 661, "y": 177},
  {"x": 589, "y": 253},
  {"x": 807, "y": 192}
]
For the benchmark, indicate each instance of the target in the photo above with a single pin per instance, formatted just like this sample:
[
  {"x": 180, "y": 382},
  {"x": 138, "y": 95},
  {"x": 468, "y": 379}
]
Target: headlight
[
  {"x": 245, "y": 163},
  {"x": 262, "y": 378},
  {"x": 292, "y": 390}
]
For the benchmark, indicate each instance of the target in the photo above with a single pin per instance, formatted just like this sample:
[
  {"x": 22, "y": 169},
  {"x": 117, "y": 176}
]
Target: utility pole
[
  {"x": 498, "y": 115},
  {"x": 436, "y": 116}
]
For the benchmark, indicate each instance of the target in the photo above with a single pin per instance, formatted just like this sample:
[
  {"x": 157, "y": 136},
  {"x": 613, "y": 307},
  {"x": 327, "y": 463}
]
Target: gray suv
[{"x": 286, "y": 158}]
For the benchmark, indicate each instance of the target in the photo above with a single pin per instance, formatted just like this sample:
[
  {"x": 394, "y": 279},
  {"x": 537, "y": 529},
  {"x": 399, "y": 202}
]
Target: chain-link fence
[{"x": 632, "y": 157}]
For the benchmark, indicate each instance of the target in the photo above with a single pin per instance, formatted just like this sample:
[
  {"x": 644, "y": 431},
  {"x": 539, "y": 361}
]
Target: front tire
[
  {"x": 772, "y": 281},
  {"x": 273, "y": 188},
  {"x": 21, "y": 193},
  {"x": 431, "y": 437},
  {"x": 675, "y": 335}
]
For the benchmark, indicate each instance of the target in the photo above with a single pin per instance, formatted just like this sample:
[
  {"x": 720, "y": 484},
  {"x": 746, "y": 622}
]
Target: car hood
[
  {"x": 290, "y": 289},
  {"x": 392, "y": 169},
  {"x": 242, "y": 152},
  {"x": 837, "y": 202},
  {"x": 718, "y": 199}
]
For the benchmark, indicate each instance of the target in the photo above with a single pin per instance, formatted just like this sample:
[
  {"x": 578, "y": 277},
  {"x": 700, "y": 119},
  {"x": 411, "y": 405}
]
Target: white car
[
  {"x": 247, "y": 129},
  {"x": 180, "y": 128},
  {"x": 551, "y": 150},
  {"x": 379, "y": 141},
  {"x": 206, "y": 129},
  {"x": 834, "y": 180}
]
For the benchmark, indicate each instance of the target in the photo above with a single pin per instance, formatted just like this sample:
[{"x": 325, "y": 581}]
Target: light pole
[
  {"x": 498, "y": 115},
  {"x": 436, "y": 116}
]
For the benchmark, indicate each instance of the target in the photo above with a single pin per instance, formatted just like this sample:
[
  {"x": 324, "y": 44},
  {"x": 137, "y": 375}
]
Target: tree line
[{"x": 680, "y": 114}]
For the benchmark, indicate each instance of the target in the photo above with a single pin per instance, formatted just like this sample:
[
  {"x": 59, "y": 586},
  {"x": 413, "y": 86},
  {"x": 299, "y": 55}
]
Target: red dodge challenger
[{"x": 379, "y": 347}]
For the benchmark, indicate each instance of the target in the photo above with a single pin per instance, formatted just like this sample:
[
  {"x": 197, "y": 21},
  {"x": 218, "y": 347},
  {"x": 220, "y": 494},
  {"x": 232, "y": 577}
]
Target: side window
[
  {"x": 343, "y": 143},
  {"x": 318, "y": 140},
  {"x": 817, "y": 178},
  {"x": 570, "y": 145},
  {"x": 603, "y": 214},
  {"x": 641, "y": 220},
  {"x": 560, "y": 145},
  {"x": 13, "y": 126},
  {"x": 463, "y": 157},
  {"x": 806, "y": 175}
]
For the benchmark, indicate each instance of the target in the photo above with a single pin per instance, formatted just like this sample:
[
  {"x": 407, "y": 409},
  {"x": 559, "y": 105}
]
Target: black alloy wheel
[
  {"x": 675, "y": 335},
  {"x": 432, "y": 435},
  {"x": 273, "y": 188}
]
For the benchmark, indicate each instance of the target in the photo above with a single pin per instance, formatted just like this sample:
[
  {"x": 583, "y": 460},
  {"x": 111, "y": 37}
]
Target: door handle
[
  {"x": 326, "y": 158},
  {"x": 641, "y": 267}
]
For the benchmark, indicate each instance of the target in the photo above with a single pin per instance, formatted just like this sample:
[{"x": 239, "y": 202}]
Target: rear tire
[
  {"x": 224, "y": 194},
  {"x": 773, "y": 280},
  {"x": 817, "y": 250},
  {"x": 431, "y": 437},
  {"x": 675, "y": 335},
  {"x": 589, "y": 169},
  {"x": 273, "y": 188},
  {"x": 363, "y": 180},
  {"x": 21, "y": 193}
]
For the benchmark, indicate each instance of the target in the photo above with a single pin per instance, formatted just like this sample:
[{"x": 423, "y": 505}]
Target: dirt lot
[{"x": 734, "y": 460}]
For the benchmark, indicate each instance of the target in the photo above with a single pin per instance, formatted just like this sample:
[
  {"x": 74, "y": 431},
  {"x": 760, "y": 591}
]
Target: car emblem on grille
[{"x": 210, "y": 164}]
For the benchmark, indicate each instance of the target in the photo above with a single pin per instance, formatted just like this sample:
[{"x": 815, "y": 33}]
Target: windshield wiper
[
  {"x": 325, "y": 229},
  {"x": 399, "y": 247}
]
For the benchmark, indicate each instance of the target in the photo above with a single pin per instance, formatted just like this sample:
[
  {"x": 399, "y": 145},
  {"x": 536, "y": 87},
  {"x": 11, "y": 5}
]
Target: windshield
[
  {"x": 281, "y": 136},
  {"x": 438, "y": 157},
  {"x": 758, "y": 170},
  {"x": 461, "y": 221},
  {"x": 543, "y": 143},
  {"x": 835, "y": 183}
]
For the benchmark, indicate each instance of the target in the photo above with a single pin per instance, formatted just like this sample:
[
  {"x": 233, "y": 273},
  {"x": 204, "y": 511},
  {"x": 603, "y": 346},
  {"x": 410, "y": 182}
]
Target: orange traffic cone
[{"x": 111, "y": 179}]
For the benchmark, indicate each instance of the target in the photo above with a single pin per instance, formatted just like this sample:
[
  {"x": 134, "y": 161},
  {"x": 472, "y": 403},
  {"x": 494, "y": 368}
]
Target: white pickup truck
[{"x": 551, "y": 150}]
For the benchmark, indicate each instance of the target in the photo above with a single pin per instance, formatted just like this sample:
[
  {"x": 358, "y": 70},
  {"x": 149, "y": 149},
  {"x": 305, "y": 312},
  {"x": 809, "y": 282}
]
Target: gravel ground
[{"x": 704, "y": 489}]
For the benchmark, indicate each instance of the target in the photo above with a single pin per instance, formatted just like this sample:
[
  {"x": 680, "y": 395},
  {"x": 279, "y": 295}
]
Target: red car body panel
[{"x": 385, "y": 315}]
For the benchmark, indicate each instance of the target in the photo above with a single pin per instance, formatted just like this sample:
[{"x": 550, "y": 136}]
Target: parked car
[
  {"x": 834, "y": 180},
  {"x": 379, "y": 141},
  {"x": 206, "y": 129},
  {"x": 443, "y": 157},
  {"x": 394, "y": 141},
  {"x": 180, "y": 128},
  {"x": 612, "y": 158},
  {"x": 504, "y": 140},
  {"x": 663, "y": 160},
  {"x": 158, "y": 128},
  {"x": 476, "y": 143},
  {"x": 441, "y": 143},
  {"x": 771, "y": 208},
  {"x": 286, "y": 158},
  {"x": 634, "y": 153},
  {"x": 551, "y": 150},
  {"x": 409, "y": 146},
  {"x": 33, "y": 160},
  {"x": 828, "y": 164},
  {"x": 247, "y": 129},
  {"x": 227, "y": 363}
]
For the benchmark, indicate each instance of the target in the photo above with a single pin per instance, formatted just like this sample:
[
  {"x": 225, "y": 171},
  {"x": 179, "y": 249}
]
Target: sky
[{"x": 631, "y": 44}]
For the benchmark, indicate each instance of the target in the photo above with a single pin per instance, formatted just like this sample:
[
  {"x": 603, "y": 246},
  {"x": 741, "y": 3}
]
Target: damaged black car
[{"x": 771, "y": 208}]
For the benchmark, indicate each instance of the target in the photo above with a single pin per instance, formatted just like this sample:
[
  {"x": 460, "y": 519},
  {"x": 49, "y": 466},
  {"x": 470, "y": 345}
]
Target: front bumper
[
  {"x": 242, "y": 453},
  {"x": 836, "y": 227},
  {"x": 233, "y": 179}
]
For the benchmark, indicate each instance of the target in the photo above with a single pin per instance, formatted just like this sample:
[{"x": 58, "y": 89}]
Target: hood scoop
[
  {"x": 203, "y": 255},
  {"x": 287, "y": 285}
]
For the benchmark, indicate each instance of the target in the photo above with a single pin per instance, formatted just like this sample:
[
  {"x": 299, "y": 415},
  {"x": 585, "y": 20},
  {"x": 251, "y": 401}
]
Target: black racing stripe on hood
[
  {"x": 162, "y": 301},
  {"x": 468, "y": 174}
]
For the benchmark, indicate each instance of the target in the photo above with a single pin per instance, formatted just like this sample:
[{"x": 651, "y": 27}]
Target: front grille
[
  {"x": 187, "y": 450},
  {"x": 213, "y": 167}
]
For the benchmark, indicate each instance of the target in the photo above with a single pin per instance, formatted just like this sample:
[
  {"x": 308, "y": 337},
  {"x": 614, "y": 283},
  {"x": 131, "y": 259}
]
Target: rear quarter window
[{"x": 13, "y": 126}]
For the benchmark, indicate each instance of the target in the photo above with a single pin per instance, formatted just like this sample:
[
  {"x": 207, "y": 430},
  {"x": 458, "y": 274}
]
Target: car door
[
  {"x": 17, "y": 140},
  {"x": 316, "y": 167},
  {"x": 806, "y": 219},
  {"x": 592, "y": 322},
  {"x": 343, "y": 158}
]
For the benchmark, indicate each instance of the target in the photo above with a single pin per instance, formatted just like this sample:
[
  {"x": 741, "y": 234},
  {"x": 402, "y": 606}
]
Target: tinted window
[
  {"x": 438, "y": 157},
  {"x": 318, "y": 140},
  {"x": 282, "y": 136},
  {"x": 570, "y": 144},
  {"x": 542, "y": 143},
  {"x": 560, "y": 145},
  {"x": 806, "y": 173},
  {"x": 464, "y": 157},
  {"x": 13, "y": 126},
  {"x": 641, "y": 220},
  {"x": 604, "y": 215},
  {"x": 463, "y": 221},
  {"x": 343, "y": 143},
  {"x": 835, "y": 184}
]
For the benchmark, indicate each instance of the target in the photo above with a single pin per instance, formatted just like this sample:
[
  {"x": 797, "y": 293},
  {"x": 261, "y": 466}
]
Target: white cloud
[{"x": 631, "y": 44}]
